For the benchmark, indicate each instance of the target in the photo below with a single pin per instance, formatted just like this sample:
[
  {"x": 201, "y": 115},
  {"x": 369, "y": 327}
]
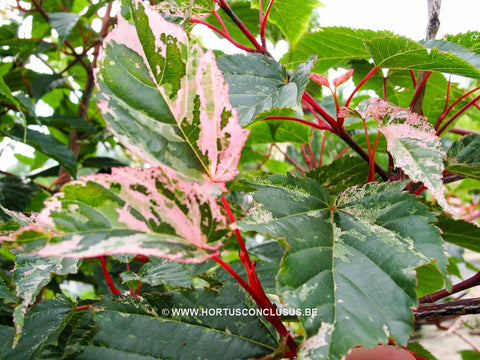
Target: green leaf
[
  {"x": 257, "y": 84},
  {"x": 463, "y": 157},
  {"x": 5, "y": 292},
  {"x": 44, "y": 83},
  {"x": 340, "y": 174},
  {"x": 43, "y": 324},
  {"x": 6, "y": 93},
  {"x": 67, "y": 122},
  {"x": 63, "y": 23},
  {"x": 460, "y": 51},
  {"x": 291, "y": 17},
  {"x": 133, "y": 211},
  {"x": 429, "y": 280},
  {"x": 468, "y": 40},
  {"x": 16, "y": 194},
  {"x": 199, "y": 336},
  {"x": 338, "y": 46},
  {"x": 277, "y": 131},
  {"x": 48, "y": 145},
  {"x": 398, "y": 52},
  {"x": 30, "y": 275},
  {"x": 412, "y": 142},
  {"x": 418, "y": 349},
  {"x": 333, "y": 47},
  {"x": 347, "y": 256},
  {"x": 460, "y": 232},
  {"x": 161, "y": 271},
  {"x": 469, "y": 355},
  {"x": 166, "y": 100}
]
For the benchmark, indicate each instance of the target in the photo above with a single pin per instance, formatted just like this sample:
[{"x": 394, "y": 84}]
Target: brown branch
[
  {"x": 431, "y": 33},
  {"x": 447, "y": 309}
]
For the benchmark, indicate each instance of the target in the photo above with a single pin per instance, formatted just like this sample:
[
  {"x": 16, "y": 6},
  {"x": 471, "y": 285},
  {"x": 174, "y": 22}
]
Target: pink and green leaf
[
  {"x": 413, "y": 144},
  {"x": 166, "y": 99},
  {"x": 134, "y": 211}
]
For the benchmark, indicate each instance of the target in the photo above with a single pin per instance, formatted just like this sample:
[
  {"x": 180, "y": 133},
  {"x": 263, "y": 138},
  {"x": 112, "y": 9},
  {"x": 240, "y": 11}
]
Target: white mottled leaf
[
  {"x": 412, "y": 142},
  {"x": 132, "y": 211},
  {"x": 166, "y": 99}
]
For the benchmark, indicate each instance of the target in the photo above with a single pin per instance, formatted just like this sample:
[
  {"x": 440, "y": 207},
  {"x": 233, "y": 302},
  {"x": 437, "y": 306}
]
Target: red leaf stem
[
  {"x": 445, "y": 112},
  {"x": 110, "y": 283},
  {"x": 420, "y": 88},
  {"x": 361, "y": 83},
  {"x": 414, "y": 78},
  {"x": 312, "y": 156},
  {"x": 322, "y": 149},
  {"x": 316, "y": 106},
  {"x": 263, "y": 21},
  {"x": 289, "y": 159},
  {"x": 460, "y": 112},
  {"x": 342, "y": 152},
  {"x": 464, "y": 285},
  {"x": 371, "y": 173},
  {"x": 253, "y": 287},
  {"x": 225, "y": 35},
  {"x": 322, "y": 126},
  {"x": 228, "y": 10},
  {"x": 307, "y": 158}
]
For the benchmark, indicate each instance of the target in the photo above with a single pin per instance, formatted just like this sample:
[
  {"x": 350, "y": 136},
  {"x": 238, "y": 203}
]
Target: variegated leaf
[
  {"x": 132, "y": 211},
  {"x": 412, "y": 142},
  {"x": 166, "y": 99}
]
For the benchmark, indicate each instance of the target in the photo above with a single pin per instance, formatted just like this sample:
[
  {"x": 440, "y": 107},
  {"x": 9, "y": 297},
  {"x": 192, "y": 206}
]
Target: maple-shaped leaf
[
  {"x": 351, "y": 258},
  {"x": 135, "y": 211},
  {"x": 166, "y": 99},
  {"x": 412, "y": 142}
]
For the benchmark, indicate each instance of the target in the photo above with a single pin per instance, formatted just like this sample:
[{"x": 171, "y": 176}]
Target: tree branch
[{"x": 447, "y": 309}]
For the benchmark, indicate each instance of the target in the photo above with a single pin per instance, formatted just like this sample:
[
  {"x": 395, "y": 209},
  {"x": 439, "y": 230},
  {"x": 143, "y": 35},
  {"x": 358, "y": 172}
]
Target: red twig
[
  {"x": 223, "y": 34},
  {"x": 420, "y": 88},
  {"x": 263, "y": 21},
  {"x": 228, "y": 10},
  {"x": 328, "y": 118},
  {"x": 464, "y": 285},
  {"x": 460, "y": 112},
  {"x": 371, "y": 173},
  {"x": 312, "y": 156},
  {"x": 289, "y": 159},
  {"x": 361, "y": 83},
  {"x": 322, "y": 149},
  {"x": 307, "y": 158},
  {"x": 110, "y": 283},
  {"x": 321, "y": 126}
]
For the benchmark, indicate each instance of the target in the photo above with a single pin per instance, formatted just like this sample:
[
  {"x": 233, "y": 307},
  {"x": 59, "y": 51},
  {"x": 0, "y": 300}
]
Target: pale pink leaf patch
[
  {"x": 343, "y": 78},
  {"x": 137, "y": 211},
  {"x": 166, "y": 99},
  {"x": 413, "y": 144}
]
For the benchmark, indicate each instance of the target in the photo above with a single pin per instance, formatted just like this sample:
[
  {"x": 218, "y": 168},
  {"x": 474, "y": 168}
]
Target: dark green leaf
[
  {"x": 464, "y": 157},
  {"x": 161, "y": 271},
  {"x": 67, "y": 122},
  {"x": 343, "y": 253},
  {"x": 460, "y": 232},
  {"x": 194, "y": 336},
  {"x": 44, "y": 83},
  {"x": 16, "y": 194},
  {"x": 342, "y": 173},
  {"x": 5, "y": 292},
  {"x": 257, "y": 83},
  {"x": 30, "y": 275},
  {"x": 43, "y": 324},
  {"x": 63, "y": 23},
  {"x": 277, "y": 131},
  {"x": 48, "y": 145}
]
